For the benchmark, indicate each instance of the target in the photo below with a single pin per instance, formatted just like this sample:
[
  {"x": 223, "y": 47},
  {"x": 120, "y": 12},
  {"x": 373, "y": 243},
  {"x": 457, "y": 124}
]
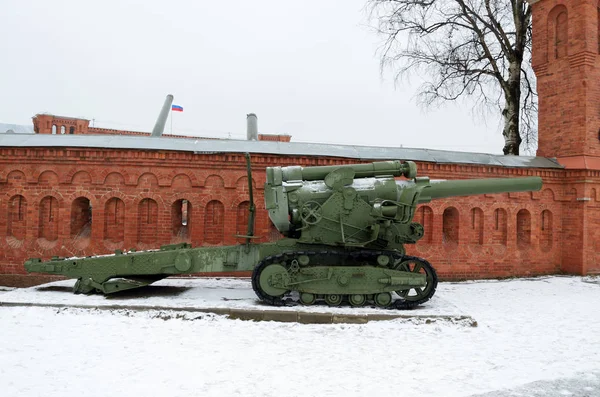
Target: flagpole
[{"x": 171, "y": 121}]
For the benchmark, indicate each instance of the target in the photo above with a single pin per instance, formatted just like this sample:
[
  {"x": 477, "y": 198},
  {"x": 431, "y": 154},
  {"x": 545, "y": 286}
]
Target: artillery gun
[{"x": 344, "y": 229}]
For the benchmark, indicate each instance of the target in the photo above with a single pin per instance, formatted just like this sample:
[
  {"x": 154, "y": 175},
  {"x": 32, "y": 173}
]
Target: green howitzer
[{"x": 344, "y": 229}]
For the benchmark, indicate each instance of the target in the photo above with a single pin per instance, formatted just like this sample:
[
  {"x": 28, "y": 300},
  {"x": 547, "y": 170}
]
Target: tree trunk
[{"x": 511, "y": 111}]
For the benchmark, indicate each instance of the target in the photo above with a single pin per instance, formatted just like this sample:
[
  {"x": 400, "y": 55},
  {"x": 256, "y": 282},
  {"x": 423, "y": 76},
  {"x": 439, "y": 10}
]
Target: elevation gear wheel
[{"x": 310, "y": 213}]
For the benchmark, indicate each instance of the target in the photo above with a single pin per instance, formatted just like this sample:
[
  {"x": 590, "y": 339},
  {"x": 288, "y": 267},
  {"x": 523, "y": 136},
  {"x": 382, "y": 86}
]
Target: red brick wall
[
  {"x": 567, "y": 65},
  {"x": 275, "y": 138},
  {"x": 51, "y": 124},
  {"x": 566, "y": 59},
  {"x": 134, "y": 199}
]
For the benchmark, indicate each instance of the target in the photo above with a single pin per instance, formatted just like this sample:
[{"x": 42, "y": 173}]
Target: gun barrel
[
  {"x": 469, "y": 187},
  {"x": 368, "y": 170}
]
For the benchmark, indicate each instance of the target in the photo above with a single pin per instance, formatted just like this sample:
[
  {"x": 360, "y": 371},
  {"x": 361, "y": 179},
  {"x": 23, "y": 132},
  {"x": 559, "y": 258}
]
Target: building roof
[
  {"x": 277, "y": 148},
  {"x": 15, "y": 128}
]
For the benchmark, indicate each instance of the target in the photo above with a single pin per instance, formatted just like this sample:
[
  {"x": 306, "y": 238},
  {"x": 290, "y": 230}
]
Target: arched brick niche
[
  {"x": 148, "y": 225},
  {"x": 114, "y": 220},
  {"x": 181, "y": 220},
  {"x": 558, "y": 32},
  {"x": 523, "y": 229},
  {"x": 214, "y": 222},
  {"x": 17, "y": 217},
  {"x": 547, "y": 230},
  {"x": 424, "y": 216},
  {"x": 450, "y": 227}
]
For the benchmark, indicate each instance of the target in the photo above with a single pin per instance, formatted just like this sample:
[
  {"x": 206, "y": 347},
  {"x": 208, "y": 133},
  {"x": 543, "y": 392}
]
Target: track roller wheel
[
  {"x": 357, "y": 299},
  {"x": 383, "y": 299},
  {"x": 307, "y": 298},
  {"x": 333, "y": 299}
]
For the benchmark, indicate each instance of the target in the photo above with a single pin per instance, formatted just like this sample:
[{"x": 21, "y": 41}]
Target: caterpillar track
[{"x": 357, "y": 278}]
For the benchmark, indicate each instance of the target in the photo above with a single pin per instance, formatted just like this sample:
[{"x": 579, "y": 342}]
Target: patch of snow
[
  {"x": 537, "y": 330},
  {"x": 198, "y": 293}
]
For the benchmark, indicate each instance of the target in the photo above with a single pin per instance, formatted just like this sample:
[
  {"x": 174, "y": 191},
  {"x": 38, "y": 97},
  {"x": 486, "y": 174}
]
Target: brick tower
[{"x": 566, "y": 60}]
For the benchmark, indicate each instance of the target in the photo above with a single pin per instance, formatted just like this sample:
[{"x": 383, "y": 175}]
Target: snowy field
[{"x": 536, "y": 337}]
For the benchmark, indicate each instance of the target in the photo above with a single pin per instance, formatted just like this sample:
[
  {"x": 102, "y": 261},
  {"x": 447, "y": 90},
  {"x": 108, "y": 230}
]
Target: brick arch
[
  {"x": 424, "y": 215},
  {"x": 180, "y": 181},
  {"x": 214, "y": 222},
  {"x": 114, "y": 221},
  {"x": 182, "y": 218},
  {"x": 147, "y": 177},
  {"x": 195, "y": 215},
  {"x": 572, "y": 194},
  {"x": 206, "y": 199},
  {"x": 48, "y": 224},
  {"x": 477, "y": 226},
  {"x": 144, "y": 195},
  {"x": 239, "y": 199},
  {"x": 147, "y": 221},
  {"x": 8, "y": 194},
  {"x": 43, "y": 175},
  {"x": 193, "y": 178},
  {"x": 214, "y": 180},
  {"x": 451, "y": 226},
  {"x": 548, "y": 195},
  {"x": 523, "y": 228},
  {"x": 57, "y": 195},
  {"x": 241, "y": 219},
  {"x": 76, "y": 219},
  {"x": 108, "y": 178},
  {"x": 557, "y": 31},
  {"x": 15, "y": 174},
  {"x": 81, "y": 178},
  {"x": 105, "y": 172},
  {"x": 82, "y": 193},
  {"x": 500, "y": 217},
  {"x": 16, "y": 217},
  {"x": 546, "y": 230},
  {"x": 193, "y": 198},
  {"x": 114, "y": 193},
  {"x": 68, "y": 176},
  {"x": 81, "y": 220}
]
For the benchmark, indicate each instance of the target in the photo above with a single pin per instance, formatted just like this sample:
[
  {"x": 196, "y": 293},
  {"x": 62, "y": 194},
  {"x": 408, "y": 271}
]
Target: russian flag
[{"x": 177, "y": 108}]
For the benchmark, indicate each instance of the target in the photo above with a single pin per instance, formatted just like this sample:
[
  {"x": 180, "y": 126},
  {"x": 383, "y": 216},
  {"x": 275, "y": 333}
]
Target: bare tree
[{"x": 479, "y": 48}]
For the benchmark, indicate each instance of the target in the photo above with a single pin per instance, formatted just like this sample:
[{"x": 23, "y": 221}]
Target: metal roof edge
[{"x": 273, "y": 147}]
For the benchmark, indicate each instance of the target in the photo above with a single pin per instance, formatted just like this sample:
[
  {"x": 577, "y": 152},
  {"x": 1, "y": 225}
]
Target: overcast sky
[{"x": 306, "y": 68}]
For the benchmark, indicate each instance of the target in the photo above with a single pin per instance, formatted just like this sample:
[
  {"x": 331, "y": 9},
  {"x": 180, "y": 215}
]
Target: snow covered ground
[
  {"x": 200, "y": 293},
  {"x": 536, "y": 337}
]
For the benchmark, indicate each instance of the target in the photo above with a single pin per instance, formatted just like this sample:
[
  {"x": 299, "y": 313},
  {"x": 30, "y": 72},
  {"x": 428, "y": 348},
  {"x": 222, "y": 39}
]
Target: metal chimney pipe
[
  {"x": 252, "y": 127},
  {"x": 159, "y": 127}
]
